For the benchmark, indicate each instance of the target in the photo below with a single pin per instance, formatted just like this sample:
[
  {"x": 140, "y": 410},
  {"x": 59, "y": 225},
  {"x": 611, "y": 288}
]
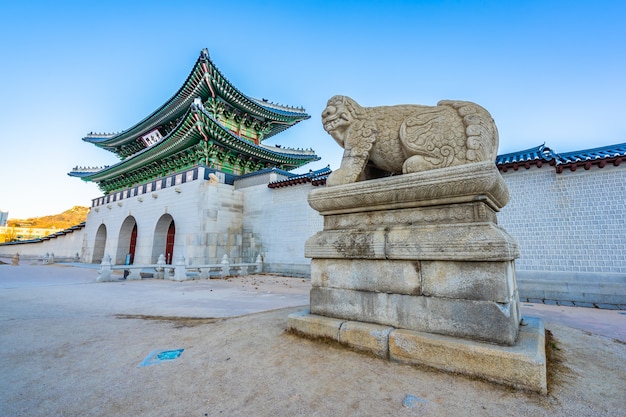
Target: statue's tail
[{"x": 480, "y": 128}]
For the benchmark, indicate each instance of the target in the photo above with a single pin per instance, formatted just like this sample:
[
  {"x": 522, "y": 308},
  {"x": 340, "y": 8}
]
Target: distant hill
[{"x": 68, "y": 218}]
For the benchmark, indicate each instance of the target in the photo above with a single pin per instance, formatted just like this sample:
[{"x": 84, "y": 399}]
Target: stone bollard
[
  {"x": 105, "y": 269},
  {"x": 46, "y": 258},
  {"x": 51, "y": 259},
  {"x": 16, "y": 260},
  {"x": 160, "y": 267},
  {"x": 225, "y": 266},
  {"x": 133, "y": 274},
  {"x": 259, "y": 264},
  {"x": 180, "y": 273},
  {"x": 77, "y": 257}
]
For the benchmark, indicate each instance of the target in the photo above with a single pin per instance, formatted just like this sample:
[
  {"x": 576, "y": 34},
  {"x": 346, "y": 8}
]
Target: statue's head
[{"x": 338, "y": 115}]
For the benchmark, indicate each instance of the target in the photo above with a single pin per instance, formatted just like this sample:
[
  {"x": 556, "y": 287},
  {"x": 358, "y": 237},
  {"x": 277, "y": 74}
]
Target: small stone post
[
  {"x": 46, "y": 258},
  {"x": 180, "y": 273},
  {"x": 105, "y": 269},
  {"x": 225, "y": 266},
  {"x": 51, "y": 259},
  {"x": 259, "y": 264},
  {"x": 204, "y": 273},
  {"x": 16, "y": 260},
  {"x": 160, "y": 267}
]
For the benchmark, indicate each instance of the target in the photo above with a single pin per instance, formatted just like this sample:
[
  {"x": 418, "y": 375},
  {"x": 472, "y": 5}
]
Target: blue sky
[{"x": 548, "y": 71}]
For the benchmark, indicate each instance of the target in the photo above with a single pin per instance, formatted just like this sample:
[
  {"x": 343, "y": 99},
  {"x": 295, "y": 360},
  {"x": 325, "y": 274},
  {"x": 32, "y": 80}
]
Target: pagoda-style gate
[{"x": 208, "y": 126}]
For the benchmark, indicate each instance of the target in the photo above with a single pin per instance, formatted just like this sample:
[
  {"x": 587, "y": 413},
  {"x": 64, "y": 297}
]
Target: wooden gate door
[
  {"x": 169, "y": 243},
  {"x": 133, "y": 243}
]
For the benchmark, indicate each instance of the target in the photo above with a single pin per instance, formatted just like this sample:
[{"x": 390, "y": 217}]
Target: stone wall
[
  {"x": 570, "y": 227},
  {"x": 277, "y": 223},
  {"x": 212, "y": 219},
  {"x": 262, "y": 178},
  {"x": 65, "y": 246},
  {"x": 207, "y": 217}
]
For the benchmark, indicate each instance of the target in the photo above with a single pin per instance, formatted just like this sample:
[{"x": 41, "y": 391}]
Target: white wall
[
  {"x": 207, "y": 217},
  {"x": 569, "y": 222},
  {"x": 66, "y": 246},
  {"x": 277, "y": 223}
]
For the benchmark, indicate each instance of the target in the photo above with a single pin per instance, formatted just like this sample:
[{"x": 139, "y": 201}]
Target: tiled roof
[
  {"x": 537, "y": 156},
  {"x": 316, "y": 178},
  {"x": 538, "y": 153},
  {"x": 266, "y": 171},
  {"x": 48, "y": 237},
  {"x": 605, "y": 152},
  {"x": 204, "y": 81},
  {"x": 197, "y": 126},
  {"x": 542, "y": 154}
]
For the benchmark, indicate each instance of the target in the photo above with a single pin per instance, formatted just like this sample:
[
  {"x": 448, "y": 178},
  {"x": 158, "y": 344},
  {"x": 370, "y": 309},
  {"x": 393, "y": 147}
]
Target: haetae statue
[{"x": 390, "y": 140}]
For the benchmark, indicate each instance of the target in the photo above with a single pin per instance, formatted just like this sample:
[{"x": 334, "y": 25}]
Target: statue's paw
[
  {"x": 335, "y": 178},
  {"x": 340, "y": 177}
]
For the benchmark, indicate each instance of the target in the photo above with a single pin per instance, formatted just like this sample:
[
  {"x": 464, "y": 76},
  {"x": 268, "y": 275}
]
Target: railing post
[
  {"x": 16, "y": 260},
  {"x": 259, "y": 264},
  {"x": 180, "y": 273},
  {"x": 105, "y": 269},
  {"x": 134, "y": 273},
  {"x": 51, "y": 260},
  {"x": 160, "y": 267},
  {"x": 46, "y": 258},
  {"x": 225, "y": 266}
]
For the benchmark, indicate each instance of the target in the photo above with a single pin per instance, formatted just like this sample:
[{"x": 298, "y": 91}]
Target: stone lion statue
[{"x": 390, "y": 140}]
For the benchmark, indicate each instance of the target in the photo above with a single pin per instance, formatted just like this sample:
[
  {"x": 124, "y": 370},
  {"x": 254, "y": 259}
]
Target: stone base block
[
  {"x": 366, "y": 337},
  {"x": 522, "y": 365},
  {"x": 314, "y": 326},
  {"x": 481, "y": 320},
  {"x": 380, "y": 275}
]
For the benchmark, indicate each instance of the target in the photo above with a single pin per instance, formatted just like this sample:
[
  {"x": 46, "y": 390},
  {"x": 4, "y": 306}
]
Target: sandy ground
[{"x": 71, "y": 347}]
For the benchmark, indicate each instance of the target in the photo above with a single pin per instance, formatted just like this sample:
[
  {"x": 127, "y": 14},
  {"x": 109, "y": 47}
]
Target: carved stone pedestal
[{"x": 407, "y": 258}]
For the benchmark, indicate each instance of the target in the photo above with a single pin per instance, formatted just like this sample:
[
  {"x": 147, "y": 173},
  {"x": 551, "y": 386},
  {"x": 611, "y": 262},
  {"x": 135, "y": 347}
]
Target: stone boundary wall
[
  {"x": 570, "y": 227},
  {"x": 276, "y": 224},
  {"x": 207, "y": 218},
  {"x": 259, "y": 179},
  {"x": 65, "y": 246}
]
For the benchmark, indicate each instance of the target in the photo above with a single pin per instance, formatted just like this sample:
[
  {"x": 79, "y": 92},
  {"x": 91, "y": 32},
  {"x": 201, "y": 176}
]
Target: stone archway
[
  {"x": 163, "y": 243},
  {"x": 99, "y": 244},
  {"x": 127, "y": 241}
]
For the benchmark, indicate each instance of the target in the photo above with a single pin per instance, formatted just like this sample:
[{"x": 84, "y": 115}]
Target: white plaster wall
[
  {"x": 570, "y": 222},
  {"x": 65, "y": 246},
  {"x": 207, "y": 218},
  {"x": 277, "y": 223}
]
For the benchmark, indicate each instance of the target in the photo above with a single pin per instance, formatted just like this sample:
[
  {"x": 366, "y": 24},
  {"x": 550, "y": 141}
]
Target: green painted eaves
[
  {"x": 189, "y": 133},
  {"x": 204, "y": 81}
]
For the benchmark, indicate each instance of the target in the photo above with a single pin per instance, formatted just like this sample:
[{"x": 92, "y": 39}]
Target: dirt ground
[{"x": 65, "y": 356}]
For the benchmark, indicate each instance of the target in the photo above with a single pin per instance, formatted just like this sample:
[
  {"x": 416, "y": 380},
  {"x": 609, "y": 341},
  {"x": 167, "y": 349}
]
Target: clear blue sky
[{"x": 548, "y": 71}]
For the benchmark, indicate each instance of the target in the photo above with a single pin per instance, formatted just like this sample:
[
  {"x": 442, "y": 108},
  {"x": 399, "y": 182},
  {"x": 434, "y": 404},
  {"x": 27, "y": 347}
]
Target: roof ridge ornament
[
  {"x": 197, "y": 104},
  {"x": 204, "y": 54}
]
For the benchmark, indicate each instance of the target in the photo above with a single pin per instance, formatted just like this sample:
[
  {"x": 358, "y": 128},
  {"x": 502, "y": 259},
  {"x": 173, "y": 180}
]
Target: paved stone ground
[
  {"x": 71, "y": 347},
  {"x": 603, "y": 306}
]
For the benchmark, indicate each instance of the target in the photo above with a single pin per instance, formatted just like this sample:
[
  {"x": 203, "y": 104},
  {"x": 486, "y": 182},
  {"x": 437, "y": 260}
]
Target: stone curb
[{"x": 522, "y": 365}]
